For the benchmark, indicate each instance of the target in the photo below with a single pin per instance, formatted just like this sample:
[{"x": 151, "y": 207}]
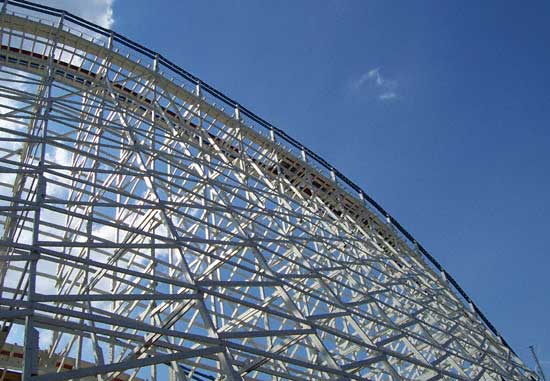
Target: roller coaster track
[{"x": 274, "y": 264}]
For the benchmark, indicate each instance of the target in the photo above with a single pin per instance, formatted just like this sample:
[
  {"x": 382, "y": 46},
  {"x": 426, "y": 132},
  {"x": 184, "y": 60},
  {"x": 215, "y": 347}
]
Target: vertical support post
[
  {"x": 154, "y": 284},
  {"x": 198, "y": 89},
  {"x": 118, "y": 210},
  {"x": 30, "y": 358},
  {"x": 237, "y": 113},
  {"x": 362, "y": 197},
  {"x": 240, "y": 138}
]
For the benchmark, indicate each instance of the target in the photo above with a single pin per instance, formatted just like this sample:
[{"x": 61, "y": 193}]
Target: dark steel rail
[{"x": 117, "y": 37}]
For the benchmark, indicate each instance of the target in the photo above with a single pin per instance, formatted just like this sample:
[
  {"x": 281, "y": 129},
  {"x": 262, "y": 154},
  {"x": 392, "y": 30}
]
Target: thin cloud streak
[{"x": 372, "y": 81}]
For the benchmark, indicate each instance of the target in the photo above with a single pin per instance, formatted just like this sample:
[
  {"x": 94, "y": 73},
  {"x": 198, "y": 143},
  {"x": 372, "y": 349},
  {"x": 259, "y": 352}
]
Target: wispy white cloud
[
  {"x": 373, "y": 83},
  {"x": 97, "y": 11},
  {"x": 387, "y": 95}
]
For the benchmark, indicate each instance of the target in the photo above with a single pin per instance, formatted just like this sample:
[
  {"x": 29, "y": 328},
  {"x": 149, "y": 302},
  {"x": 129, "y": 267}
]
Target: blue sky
[{"x": 440, "y": 110}]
